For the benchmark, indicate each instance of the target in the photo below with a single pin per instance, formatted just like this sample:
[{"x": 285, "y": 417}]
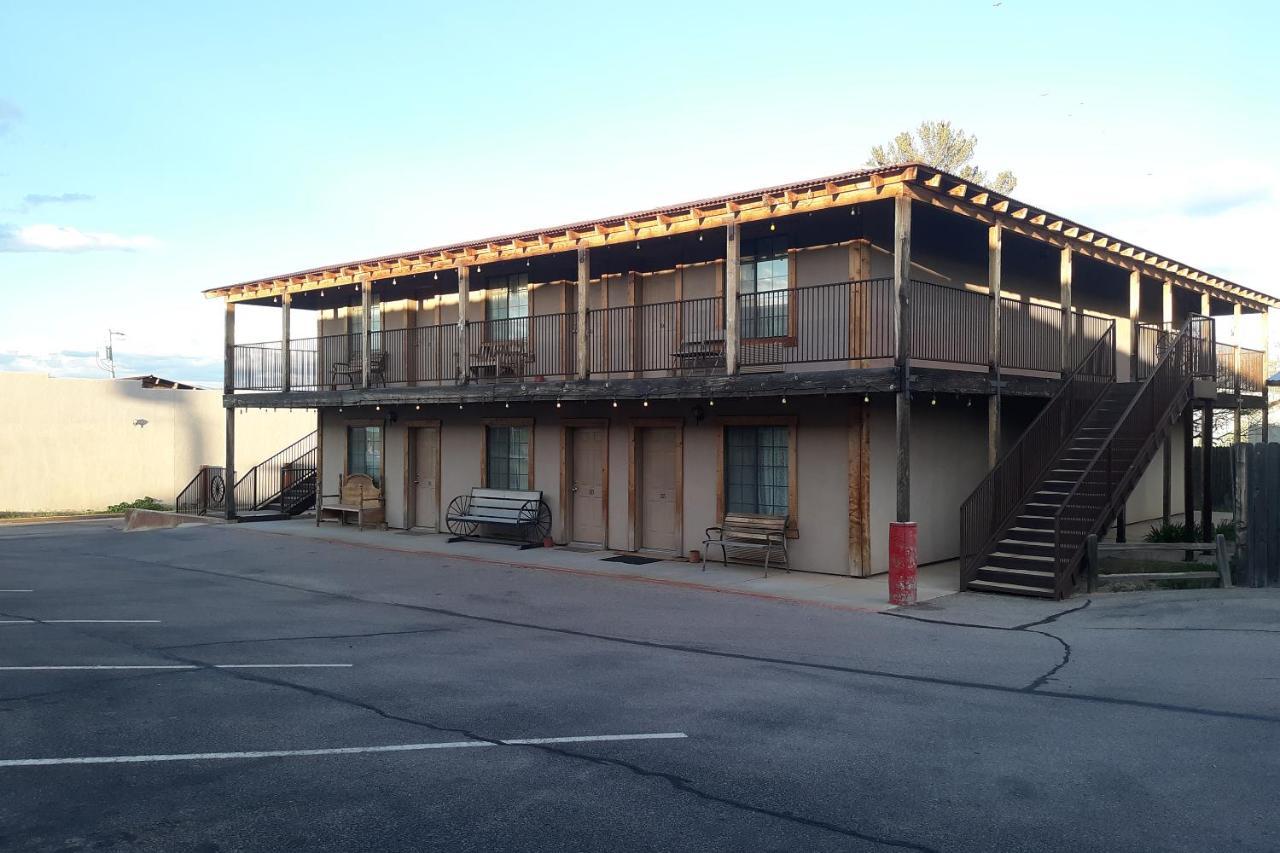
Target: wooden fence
[{"x": 1258, "y": 560}]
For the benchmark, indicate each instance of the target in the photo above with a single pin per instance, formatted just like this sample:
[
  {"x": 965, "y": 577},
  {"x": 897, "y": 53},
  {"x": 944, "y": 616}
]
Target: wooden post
[
  {"x": 319, "y": 461},
  {"x": 1135, "y": 317},
  {"x": 994, "y": 272},
  {"x": 228, "y": 389},
  {"x": 1206, "y": 471},
  {"x": 732, "y": 262},
  {"x": 1266, "y": 373},
  {"x": 584, "y": 284},
  {"x": 1188, "y": 484},
  {"x": 1064, "y": 297},
  {"x": 285, "y": 355},
  {"x": 464, "y": 299},
  {"x": 1206, "y": 305},
  {"x": 1166, "y": 321},
  {"x": 366, "y": 303},
  {"x": 902, "y": 327},
  {"x": 1091, "y": 562},
  {"x": 1166, "y": 304}
]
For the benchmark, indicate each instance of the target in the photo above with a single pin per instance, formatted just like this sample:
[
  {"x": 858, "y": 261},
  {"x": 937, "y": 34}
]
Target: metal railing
[
  {"x": 846, "y": 321},
  {"x": 205, "y": 494},
  {"x": 1248, "y": 378},
  {"x": 993, "y": 505},
  {"x": 1114, "y": 468},
  {"x": 271, "y": 482}
]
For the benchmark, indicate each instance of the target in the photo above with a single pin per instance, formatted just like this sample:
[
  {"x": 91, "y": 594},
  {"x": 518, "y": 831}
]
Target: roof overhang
[{"x": 919, "y": 182}]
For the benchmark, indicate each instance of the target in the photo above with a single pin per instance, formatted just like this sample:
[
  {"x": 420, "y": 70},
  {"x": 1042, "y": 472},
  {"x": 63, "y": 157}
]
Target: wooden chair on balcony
[
  {"x": 501, "y": 359},
  {"x": 351, "y": 371}
]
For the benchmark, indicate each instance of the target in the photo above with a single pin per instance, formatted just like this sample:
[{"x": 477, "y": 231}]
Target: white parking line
[
  {"x": 176, "y": 666},
  {"x": 80, "y": 622},
  {"x": 344, "y": 750}
]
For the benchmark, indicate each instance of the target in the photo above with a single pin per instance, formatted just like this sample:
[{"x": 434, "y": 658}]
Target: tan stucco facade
[{"x": 84, "y": 444}]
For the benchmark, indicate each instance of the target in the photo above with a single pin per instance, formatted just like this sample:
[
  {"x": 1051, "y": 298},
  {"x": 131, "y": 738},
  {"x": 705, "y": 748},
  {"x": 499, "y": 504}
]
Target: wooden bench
[
  {"x": 357, "y": 498},
  {"x": 525, "y": 511},
  {"x": 352, "y": 370},
  {"x": 742, "y": 534},
  {"x": 501, "y": 359}
]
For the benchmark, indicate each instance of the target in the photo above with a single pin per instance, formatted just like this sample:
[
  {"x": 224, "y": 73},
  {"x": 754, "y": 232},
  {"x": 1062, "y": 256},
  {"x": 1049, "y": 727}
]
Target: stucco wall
[
  {"x": 78, "y": 444},
  {"x": 821, "y": 456}
]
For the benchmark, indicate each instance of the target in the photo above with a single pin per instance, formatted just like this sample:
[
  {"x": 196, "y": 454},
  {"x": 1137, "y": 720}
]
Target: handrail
[
  {"x": 1044, "y": 437},
  {"x": 1114, "y": 490},
  {"x": 247, "y": 493}
]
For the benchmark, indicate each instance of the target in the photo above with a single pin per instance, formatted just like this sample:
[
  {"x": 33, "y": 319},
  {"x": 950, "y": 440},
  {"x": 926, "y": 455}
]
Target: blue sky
[{"x": 150, "y": 150}]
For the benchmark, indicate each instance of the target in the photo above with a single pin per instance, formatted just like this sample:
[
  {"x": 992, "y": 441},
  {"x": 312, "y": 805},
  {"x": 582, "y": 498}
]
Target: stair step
[
  {"x": 1024, "y": 577},
  {"x": 1018, "y": 561},
  {"x": 1010, "y": 588},
  {"x": 1031, "y": 534},
  {"x": 1034, "y": 558}
]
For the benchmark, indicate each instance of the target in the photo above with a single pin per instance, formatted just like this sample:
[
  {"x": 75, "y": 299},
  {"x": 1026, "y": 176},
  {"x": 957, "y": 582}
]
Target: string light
[
  {"x": 933, "y": 402},
  {"x": 557, "y": 404},
  {"x": 866, "y": 399},
  {"x": 417, "y": 408},
  {"x": 711, "y": 402},
  {"x": 784, "y": 401},
  {"x": 646, "y": 404},
  {"x": 615, "y": 404}
]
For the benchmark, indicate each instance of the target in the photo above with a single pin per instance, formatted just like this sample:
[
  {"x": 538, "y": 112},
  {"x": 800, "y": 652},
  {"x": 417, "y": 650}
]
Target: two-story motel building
[{"x": 843, "y": 351}]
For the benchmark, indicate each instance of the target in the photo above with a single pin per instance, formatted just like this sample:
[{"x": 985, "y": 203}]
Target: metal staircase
[
  {"x": 281, "y": 486},
  {"x": 1023, "y": 530}
]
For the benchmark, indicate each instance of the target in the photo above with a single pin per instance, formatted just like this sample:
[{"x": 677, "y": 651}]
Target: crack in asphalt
[
  {"x": 1027, "y": 628},
  {"x": 256, "y": 640}
]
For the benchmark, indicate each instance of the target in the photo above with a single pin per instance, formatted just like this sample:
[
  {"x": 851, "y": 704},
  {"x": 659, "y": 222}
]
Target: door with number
[
  {"x": 659, "y": 489},
  {"x": 424, "y": 486},
  {"x": 587, "y": 485}
]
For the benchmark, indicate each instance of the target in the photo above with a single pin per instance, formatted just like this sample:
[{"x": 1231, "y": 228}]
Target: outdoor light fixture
[
  {"x": 377, "y": 408},
  {"x": 784, "y": 401},
  {"x": 646, "y": 404},
  {"x": 436, "y": 276},
  {"x": 557, "y": 404},
  {"x": 866, "y": 399},
  {"x": 459, "y": 406},
  {"x": 773, "y": 226},
  {"x": 417, "y": 408},
  {"x": 615, "y": 404},
  {"x": 506, "y": 405},
  {"x": 933, "y": 402},
  {"x": 711, "y": 402}
]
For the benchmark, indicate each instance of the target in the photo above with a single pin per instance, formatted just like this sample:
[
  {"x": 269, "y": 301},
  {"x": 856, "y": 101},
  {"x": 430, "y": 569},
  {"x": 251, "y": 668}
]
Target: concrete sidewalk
[{"x": 831, "y": 590}]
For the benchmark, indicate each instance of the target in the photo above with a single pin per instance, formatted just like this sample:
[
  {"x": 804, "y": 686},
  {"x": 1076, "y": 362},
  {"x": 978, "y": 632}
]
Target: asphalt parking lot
[{"x": 217, "y": 689}]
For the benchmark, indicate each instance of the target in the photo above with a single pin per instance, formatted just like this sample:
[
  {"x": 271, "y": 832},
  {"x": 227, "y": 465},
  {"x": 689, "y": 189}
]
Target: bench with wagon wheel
[{"x": 524, "y": 512}]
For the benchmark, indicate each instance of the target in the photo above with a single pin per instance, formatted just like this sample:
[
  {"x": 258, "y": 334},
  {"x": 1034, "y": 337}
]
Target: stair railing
[
  {"x": 265, "y": 482},
  {"x": 987, "y": 512},
  {"x": 1113, "y": 471}
]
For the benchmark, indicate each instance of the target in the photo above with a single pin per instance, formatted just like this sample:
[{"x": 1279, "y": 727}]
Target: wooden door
[
  {"x": 587, "y": 485},
  {"x": 426, "y": 478},
  {"x": 659, "y": 486}
]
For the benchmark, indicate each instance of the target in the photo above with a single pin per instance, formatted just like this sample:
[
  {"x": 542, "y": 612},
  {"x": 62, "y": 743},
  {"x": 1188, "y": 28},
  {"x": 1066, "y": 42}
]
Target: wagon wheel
[
  {"x": 536, "y": 521},
  {"x": 458, "y": 527}
]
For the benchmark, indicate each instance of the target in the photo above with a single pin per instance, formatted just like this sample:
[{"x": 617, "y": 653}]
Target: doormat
[{"x": 631, "y": 560}]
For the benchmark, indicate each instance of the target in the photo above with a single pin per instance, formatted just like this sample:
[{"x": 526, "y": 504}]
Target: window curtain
[{"x": 756, "y": 476}]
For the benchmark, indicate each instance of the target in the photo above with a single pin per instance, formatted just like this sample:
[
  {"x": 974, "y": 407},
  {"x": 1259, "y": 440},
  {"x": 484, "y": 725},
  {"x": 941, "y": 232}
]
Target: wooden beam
[
  {"x": 1064, "y": 299},
  {"x": 229, "y": 387},
  {"x": 902, "y": 328},
  {"x": 732, "y": 262},
  {"x": 464, "y": 299},
  {"x": 584, "y": 283},
  {"x": 1135, "y": 317},
  {"x": 366, "y": 316},
  {"x": 994, "y": 272},
  {"x": 1166, "y": 304},
  {"x": 285, "y": 355}
]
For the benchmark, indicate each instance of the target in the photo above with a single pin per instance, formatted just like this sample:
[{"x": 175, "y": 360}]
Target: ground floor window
[
  {"x": 756, "y": 473},
  {"x": 364, "y": 452},
  {"x": 507, "y": 457}
]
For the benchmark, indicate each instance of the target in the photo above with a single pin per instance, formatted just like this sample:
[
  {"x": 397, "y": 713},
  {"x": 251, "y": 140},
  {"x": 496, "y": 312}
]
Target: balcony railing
[
  {"x": 1248, "y": 378},
  {"x": 847, "y": 323}
]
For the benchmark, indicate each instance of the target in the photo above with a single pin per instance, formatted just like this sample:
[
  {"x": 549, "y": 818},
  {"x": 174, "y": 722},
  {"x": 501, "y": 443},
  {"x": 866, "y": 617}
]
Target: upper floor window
[
  {"x": 506, "y": 307},
  {"x": 763, "y": 278},
  {"x": 355, "y": 327}
]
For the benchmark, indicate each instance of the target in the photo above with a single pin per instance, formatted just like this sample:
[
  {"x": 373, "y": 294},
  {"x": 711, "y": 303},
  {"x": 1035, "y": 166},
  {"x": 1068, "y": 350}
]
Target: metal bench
[
  {"x": 357, "y": 498},
  {"x": 527, "y": 512},
  {"x": 742, "y": 534}
]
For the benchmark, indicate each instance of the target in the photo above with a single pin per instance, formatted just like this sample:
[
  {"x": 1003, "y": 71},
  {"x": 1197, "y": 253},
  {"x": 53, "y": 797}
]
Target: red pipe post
[{"x": 902, "y": 562}]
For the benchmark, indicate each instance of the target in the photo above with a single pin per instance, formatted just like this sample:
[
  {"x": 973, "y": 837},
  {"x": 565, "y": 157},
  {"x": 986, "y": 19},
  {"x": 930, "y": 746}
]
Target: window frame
[
  {"x": 750, "y": 260},
  {"x": 793, "y": 474},
  {"x": 381, "y": 425},
  {"x": 486, "y": 423}
]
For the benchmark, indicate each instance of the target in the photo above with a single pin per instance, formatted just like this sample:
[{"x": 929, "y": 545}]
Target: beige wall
[
  {"x": 821, "y": 456},
  {"x": 73, "y": 444}
]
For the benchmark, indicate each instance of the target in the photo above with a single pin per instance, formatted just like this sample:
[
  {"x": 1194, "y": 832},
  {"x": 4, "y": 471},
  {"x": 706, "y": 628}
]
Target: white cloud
[
  {"x": 87, "y": 365},
  {"x": 65, "y": 238}
]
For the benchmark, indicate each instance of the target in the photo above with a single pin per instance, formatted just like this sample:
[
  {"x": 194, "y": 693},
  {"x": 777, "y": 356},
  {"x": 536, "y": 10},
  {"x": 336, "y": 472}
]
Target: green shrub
[
  {"x": 141, "y": 503},
  {"x": 1227, "y": 529},
  {"x": 1167, "y": 532}
]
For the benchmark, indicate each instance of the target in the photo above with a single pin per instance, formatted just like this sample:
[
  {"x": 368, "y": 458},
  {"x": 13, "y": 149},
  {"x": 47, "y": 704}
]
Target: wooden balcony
[{"x": 841, "y": 326}]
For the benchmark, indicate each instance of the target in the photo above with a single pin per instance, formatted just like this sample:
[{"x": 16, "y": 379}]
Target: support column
[
  {"x": 732, "y": 262},
  {"x": 1064, "y": 297},
  {"x": 1166, "y": 304},
  {"x": 1188, "y": 486},
  {"x": 1206, "y": 305},
  {"x": 285, "y": 355},
  {"x": 584, "y": 285},
  {"x": 464, "y": 299},
  {"x": 902, "y": 328},
  {"x": 1135, "y": 317},
  {"x": 366, "y": 304},
  {"x": 1236, "y": 312},
  {"x": 319, "y": 483},
  {"x": 1206, "y": 472},
  {"x": 228, "y": 389},
  {"x": 1166, "y": 320},
  {"x": 994, "y": 270},
  {"x": 1266, "y": 373}
]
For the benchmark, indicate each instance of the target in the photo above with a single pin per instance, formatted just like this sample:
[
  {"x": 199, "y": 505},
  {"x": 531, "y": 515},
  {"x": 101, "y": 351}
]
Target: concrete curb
[
  {"x": 49, "y": 519},
  {"x": 154, "y": 519}
]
